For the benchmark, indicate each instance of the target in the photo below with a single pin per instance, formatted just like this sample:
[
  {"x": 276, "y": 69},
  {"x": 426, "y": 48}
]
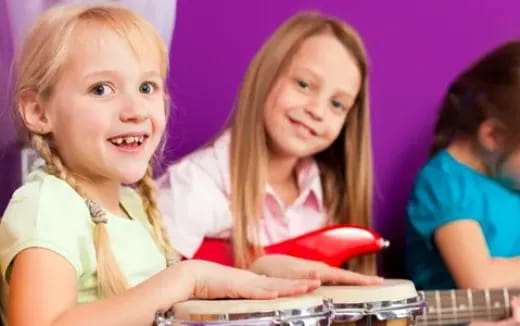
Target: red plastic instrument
[{"x": 332, "y": 245}]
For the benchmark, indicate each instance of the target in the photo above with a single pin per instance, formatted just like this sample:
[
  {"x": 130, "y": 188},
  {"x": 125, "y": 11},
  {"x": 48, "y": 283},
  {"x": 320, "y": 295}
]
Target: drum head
[{"x": 390, "y": 290}]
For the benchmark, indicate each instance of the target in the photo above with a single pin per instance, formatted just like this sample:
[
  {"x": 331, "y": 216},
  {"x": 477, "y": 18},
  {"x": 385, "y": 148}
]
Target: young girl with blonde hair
[
  {"x": 77, "y": 247},
  {"x": 296, "y": 155}
]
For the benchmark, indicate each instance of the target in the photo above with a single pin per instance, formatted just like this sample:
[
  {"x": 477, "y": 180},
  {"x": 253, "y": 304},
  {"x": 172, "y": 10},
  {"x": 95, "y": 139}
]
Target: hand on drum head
[
  {"x": 296, "y": 268},
  {"x": 213, "y": 281},
  {"x": 512, "y": 321}
]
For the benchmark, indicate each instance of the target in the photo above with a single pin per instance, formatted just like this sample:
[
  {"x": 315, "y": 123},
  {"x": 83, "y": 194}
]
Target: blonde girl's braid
[
  {"x": 146, "y": 188},
  {"x": 109, "y": 277}
]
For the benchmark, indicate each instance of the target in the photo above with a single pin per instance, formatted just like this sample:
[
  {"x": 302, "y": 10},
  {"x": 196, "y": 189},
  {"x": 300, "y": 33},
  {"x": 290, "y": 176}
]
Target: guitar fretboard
[{"x": 448, "y": 307}]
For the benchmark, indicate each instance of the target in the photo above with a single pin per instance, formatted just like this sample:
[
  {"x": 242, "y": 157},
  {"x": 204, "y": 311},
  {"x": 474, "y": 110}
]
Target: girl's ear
[
  {"x": 489, "y": 135},
  {"x": 33, "y": 114}
]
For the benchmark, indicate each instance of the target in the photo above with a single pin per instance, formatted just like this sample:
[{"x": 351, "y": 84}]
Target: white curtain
[{"x": 161, "y": 13}]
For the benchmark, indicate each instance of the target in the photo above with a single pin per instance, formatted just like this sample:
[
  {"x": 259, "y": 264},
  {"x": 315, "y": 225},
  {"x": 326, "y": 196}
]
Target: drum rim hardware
[
  {"x": 382, "y": 310},
  {"x": 277, "y": 316},
  {"x": 349, "y": 312},
  {"x": 164, "y": 318}
]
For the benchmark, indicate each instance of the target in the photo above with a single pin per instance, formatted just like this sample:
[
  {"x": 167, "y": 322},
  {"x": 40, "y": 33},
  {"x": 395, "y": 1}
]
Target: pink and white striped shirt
[{"x": 194, "y": 198}]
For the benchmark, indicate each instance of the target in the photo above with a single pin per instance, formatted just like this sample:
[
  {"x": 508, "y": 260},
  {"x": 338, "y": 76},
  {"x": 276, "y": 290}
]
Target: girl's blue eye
[
  {"x": 303, "y": 84},
  {"x": 147, "y": 88},
  {"x": 101, "y": 89},
  {"x": 337, "y": 105}
]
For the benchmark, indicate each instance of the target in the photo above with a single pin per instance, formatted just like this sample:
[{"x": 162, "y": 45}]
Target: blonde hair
[
  {"x": 43, "y": 55},
  {"x": 346, "y": 166}
]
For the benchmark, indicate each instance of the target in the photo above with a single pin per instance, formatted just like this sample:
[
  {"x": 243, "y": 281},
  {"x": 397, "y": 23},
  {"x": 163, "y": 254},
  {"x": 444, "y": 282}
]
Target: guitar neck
[{"x": 449, "y": 307}]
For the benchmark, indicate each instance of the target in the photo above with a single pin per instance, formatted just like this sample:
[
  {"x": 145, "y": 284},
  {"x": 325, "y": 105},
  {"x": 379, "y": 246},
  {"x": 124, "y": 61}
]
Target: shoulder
[
  {"x": 42, "y": 196},
  {"x": 45, "y": 212},
  {"x": 445, "y": 190},
  {"x": 444, "y": 176}
]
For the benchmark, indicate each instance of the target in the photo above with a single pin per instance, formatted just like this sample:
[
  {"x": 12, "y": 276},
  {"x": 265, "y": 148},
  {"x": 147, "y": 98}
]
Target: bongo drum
[
  {"x": 393, "y": 303},
  {"x": 306, "y": 310}
]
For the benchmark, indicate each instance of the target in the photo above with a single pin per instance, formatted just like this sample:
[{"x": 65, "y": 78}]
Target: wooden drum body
[{"x": 307, "y": 310}]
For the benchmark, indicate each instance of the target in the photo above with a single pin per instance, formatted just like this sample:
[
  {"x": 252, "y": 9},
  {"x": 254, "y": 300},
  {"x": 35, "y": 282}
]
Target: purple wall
[
  {"x": 415, "y": 48},
  {"x": 9, "y": 157}
]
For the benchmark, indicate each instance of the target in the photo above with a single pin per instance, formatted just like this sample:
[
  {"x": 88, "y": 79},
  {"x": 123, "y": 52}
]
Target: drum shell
[
  {"x": 304, "y": 310},
  {"x": 395, "y": 302}
]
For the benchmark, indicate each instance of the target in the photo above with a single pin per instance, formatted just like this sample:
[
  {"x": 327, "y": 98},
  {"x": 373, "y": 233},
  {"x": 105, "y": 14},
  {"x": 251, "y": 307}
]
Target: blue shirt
[{"x": 446, "y": 191}]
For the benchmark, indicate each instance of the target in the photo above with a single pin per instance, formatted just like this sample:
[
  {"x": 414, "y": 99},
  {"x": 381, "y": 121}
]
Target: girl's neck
[
  {"x": 468, "y": 153},
  {"x": 282, "y": 177},
  {"x": 281, "y": 170},
  {"x": 105, "y": 192}
]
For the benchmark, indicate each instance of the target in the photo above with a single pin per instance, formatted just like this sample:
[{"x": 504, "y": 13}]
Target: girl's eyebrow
[
  {"x": 152, "y": 74},
  {"x": 97, "y": 73},
  {"x": 116, "y": 74}
]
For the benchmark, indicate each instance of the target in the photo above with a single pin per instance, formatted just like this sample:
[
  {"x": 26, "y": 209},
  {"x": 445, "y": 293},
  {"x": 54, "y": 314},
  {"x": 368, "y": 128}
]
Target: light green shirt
[{"x": 47, "y": 213}]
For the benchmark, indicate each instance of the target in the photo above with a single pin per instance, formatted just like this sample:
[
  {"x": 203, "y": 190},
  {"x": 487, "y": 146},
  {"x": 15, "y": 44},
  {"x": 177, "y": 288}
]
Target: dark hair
[{"x": 488, "y": 89}]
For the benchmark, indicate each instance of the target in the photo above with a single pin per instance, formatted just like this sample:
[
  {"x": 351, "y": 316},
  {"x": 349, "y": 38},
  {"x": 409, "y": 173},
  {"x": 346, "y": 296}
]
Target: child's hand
[
  {"x": 217, "y": 281},
  {"x": 296, "y": 268},
  {"x": 513, "y": 321}
]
